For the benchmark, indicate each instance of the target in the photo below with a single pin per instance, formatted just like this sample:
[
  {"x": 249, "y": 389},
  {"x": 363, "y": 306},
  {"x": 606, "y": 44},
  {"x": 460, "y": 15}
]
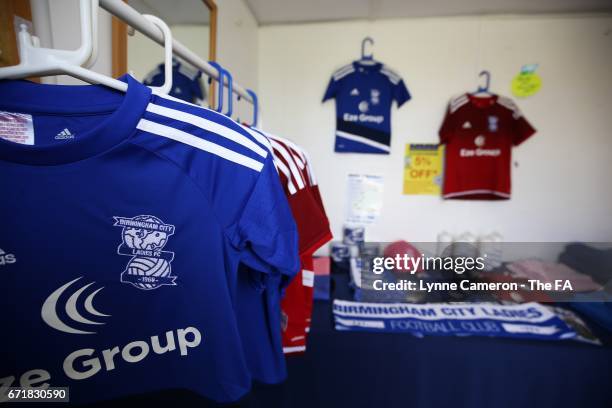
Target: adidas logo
[
  {"x": 467, "y": 125},
  {"x": 6, "y": 259},
  {"x": 355, "y": 92},
  {"x": 64, "y": 134}
]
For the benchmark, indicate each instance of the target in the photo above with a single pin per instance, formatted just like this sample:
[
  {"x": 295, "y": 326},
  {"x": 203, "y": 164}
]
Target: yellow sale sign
[{"x": 423, "y": 169}]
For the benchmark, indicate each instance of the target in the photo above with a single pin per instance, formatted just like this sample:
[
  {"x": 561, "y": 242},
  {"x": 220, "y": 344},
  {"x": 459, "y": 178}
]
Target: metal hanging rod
[{"x": 136, "y": 20}]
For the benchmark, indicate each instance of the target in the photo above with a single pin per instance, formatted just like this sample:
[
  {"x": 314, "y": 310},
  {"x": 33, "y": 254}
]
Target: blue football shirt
[
  {"x": 364, "y": 95},
  {"x": 127, "y": 219},
  {"x": 258, "y": 309},
  {"x": 186, "y": 84}
]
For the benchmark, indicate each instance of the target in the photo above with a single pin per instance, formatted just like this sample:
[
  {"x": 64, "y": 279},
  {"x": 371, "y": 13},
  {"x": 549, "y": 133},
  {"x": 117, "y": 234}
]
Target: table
[{"x": 357, "y": 369}]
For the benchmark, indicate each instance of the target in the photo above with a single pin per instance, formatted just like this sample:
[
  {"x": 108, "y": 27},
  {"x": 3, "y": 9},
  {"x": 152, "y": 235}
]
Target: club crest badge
[
  {"x": 143, "y": 239},
  {"x": 375, "y": 96},
  {"x": 493, "y": 120}
]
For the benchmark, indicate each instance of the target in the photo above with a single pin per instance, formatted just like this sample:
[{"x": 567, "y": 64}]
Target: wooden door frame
[
  {"x": 212, "y": 41},
  {"x": 9, "y": 52},
  {"x": 119, "y": 42}
]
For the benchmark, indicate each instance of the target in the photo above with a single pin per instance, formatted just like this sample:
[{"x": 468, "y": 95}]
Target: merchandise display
[
  {"x": 176, "y": 230},
  {"x": 479, "y": 370}
]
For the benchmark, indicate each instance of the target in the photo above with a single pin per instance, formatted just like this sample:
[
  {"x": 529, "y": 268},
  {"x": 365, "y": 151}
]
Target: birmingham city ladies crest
[{"x": 143, "y": 239}]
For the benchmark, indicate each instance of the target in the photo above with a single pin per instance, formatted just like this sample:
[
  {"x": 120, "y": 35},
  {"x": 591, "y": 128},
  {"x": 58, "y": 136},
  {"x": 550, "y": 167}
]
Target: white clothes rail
[{"x": 136, "y": 20}]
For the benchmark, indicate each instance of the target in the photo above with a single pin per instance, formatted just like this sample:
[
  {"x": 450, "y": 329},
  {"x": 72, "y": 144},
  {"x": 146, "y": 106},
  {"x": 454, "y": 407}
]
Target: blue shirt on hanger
[
  {"x": 364, "y": 94},
  {"x": 126, "y": 219},
  {"x": 186, "y": 84}
]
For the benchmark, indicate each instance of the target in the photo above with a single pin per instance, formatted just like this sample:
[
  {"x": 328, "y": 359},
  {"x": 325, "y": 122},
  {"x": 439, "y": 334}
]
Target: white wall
[
  {"x": 561, "y": 180},
  {"x": 237, "y": 47}
]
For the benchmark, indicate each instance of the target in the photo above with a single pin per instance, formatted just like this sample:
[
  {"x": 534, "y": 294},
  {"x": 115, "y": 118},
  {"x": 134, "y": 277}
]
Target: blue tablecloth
[{"x": 357, "y": 369}]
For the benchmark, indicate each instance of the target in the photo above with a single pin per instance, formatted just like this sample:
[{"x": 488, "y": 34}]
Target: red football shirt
[
  {"x": 304, "y": 199},
  {"x": 308, "y": 275},
  {"x": 479, "y": 134}
]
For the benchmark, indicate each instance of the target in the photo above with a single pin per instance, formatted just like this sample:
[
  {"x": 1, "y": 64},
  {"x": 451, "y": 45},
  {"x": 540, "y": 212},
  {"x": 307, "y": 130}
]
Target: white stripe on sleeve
[
  {"x": 207, "y": 125},
  {"x": 199, "y": 143},
  {"x": 289, "y": 160}
]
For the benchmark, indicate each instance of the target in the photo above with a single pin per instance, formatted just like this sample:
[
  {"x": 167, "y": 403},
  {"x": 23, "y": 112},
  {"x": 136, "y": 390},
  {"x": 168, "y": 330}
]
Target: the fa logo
[
  {"x": 363, "y": 106},
  {"x": 374, "y": 96},
  {"x": 143, "y": 239},
  {"x": 6, "y": 259},
  {"x": 479, "y": 140},
  {"x": 493, "y": 120}
]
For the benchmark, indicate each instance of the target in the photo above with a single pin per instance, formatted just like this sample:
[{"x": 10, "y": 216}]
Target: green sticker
[{"x": 525, "y": 84}]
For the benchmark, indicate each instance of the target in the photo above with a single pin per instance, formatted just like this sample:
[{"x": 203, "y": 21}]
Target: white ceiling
[
  {"x": 175, "y": 11},
  {"x": 293, "y": 11}
]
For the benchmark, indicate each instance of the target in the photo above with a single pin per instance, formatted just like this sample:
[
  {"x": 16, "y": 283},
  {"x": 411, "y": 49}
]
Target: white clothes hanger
[
  {"x": 168, "y": 60},
  {"x": 37, "y": 61},
  {"x": 93, "y": 57}
]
